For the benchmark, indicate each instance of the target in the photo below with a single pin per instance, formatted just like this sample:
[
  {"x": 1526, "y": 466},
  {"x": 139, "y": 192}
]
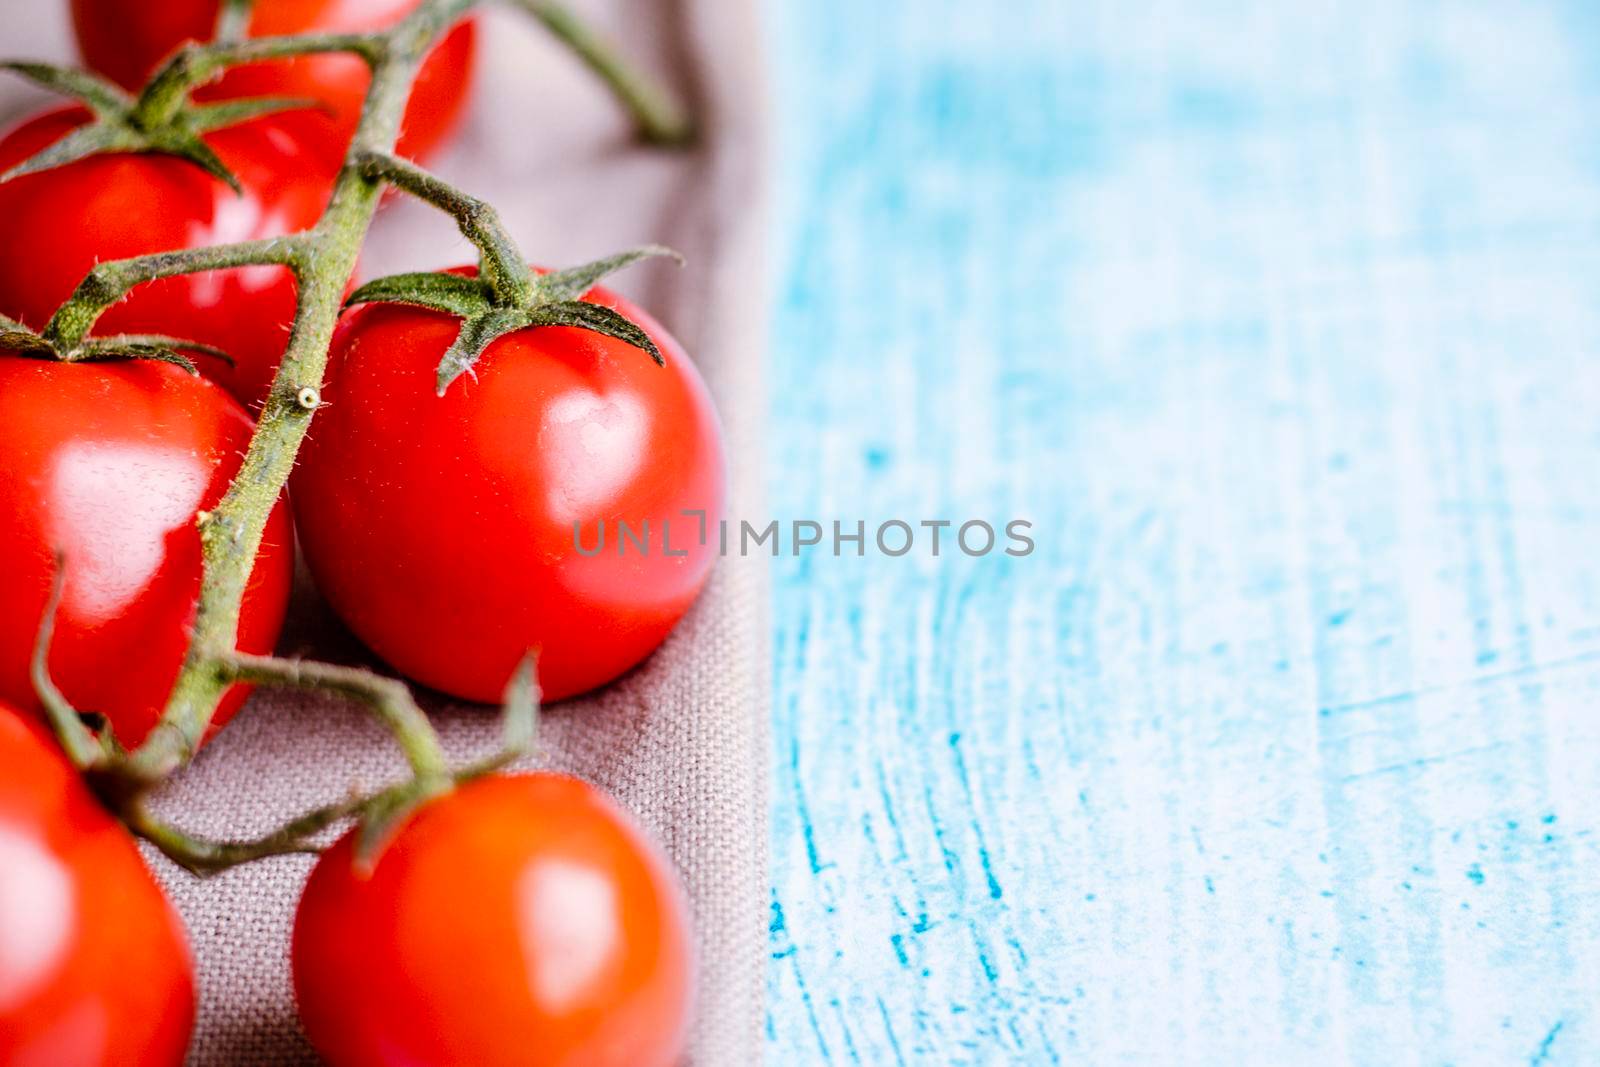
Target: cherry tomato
[
  {"x": 127, "y": 39},
  {"x": 516, "y": 920},
  {"x": 108, "y": 464},
  {"x": 57, "y": 224},
  {"x": 94, "y": 963},
  {"x": 442, "y": 529}
]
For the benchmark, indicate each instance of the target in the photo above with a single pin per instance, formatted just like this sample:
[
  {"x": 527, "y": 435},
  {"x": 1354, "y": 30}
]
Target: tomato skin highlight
[
  {"x": 108, "y": 463},
  {"x": 126, "y": 40},
  {"x": 57, "y": 224},
  {"x": 441, "y": 529},
  {"x": 95, "y": 968},
  {"x": 520, "y": 919}
]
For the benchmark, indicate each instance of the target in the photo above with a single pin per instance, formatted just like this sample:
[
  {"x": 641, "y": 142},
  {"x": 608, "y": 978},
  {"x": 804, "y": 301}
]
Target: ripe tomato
[
  {"x": 125, "y": 40},
  {"x": 57, "y": 224},
  {"x": 516, "y": 920},
  {"x": 94, "y": 963},
  {"x": 108, "y": 464},
  {"x": 441, "y": 529}
]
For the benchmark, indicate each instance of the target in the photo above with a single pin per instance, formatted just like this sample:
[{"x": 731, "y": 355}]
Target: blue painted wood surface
[{"x": 1280, "y": 321}]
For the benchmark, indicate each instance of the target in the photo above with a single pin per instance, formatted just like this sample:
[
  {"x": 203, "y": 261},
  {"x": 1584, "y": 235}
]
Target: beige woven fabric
[{"x": 680, "y": 741}]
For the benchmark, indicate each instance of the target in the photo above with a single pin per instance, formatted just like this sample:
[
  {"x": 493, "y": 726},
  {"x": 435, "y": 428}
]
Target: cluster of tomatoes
[{"x": 514, "y": 919}]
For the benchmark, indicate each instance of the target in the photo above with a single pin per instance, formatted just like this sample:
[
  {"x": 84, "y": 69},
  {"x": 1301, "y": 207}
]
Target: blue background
[{"x": 1279, "y": 320}]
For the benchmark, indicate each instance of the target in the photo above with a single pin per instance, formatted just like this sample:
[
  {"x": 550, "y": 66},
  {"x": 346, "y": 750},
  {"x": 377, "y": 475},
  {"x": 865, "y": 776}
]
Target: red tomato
[
  {"x": 516, "y": 920},
  {"x": 108, "y": 463},
  {"x": 441, "y": 529},
  {"x": 127, "y": 39},
  {"x": 94, "y": 963},
  {"x": 57, "y": 224}
]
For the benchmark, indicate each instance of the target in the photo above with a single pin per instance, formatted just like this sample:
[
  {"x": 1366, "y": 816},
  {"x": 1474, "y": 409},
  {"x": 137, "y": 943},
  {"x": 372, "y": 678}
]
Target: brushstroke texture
[{"x": 1281, "y": 322}]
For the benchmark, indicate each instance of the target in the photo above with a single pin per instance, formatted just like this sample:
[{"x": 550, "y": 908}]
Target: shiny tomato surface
[
  {"x": 57, "y": 224},
  {"x": 108, "y": 464},
  {"x": 517, "y": 920},
  {"x": 94, "y": 964},
  {"x": 127, "y": 39},
  {"x": 442, "y": 529}
]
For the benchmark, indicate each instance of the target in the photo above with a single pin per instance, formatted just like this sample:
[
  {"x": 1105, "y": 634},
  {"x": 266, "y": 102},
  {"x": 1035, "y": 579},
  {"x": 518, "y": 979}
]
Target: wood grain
[{"x": 1280, "y": 322}]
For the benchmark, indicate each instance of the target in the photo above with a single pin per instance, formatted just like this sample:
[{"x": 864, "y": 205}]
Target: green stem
[
  {"x": 195, "y": 64},
  {"x": 388, "y": 698},
  {"x": 77, "y": 740},
  {"x": 110, "y": 281},
  {"x": 503, "y": 267},
  {"x": 204, "y": 855},
  {"x": 379, "y": 812},
  {"x": 658, "y": 117}
]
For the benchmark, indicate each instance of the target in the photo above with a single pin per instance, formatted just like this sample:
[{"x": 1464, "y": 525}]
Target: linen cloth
[{"x": 680, "y": 741}]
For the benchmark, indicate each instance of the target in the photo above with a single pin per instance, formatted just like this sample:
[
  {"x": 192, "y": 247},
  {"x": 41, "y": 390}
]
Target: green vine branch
[
  {"x": 378, "y": 812},
  {"x": 202, "y": 855},
  {"x": 110, "y": 281},
  {"x": 194, "y": 64},
  {"x": 82, "y": 746},
  {"x": 388, "y": 698},
  {"x": 659, "y": 118},
  {"x": 502, "y": 265}
]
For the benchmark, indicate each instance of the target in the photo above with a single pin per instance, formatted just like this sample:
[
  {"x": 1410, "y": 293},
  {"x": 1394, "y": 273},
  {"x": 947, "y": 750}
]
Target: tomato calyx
[
  {"x": 121, "y": 122},
  {"x": 551, "y": 299},
  {"x": 19, "y": 340},
  {"x": 504, "y": 296}
]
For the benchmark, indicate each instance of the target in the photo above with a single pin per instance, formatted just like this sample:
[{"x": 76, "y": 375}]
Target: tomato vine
[{"x": 505, "y": 296}]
